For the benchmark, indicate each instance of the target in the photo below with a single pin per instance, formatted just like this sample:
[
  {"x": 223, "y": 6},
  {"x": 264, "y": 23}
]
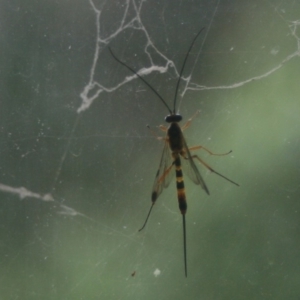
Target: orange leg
[
  {"x": 163, "y": 128},
  {"x": 155, "y": 135},
  {"x": 188, "y": 123},
  {"x": 208, "y": 151}
]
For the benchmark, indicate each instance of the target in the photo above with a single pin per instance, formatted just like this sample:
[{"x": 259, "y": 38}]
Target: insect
[{"x": 176, "y": 155}]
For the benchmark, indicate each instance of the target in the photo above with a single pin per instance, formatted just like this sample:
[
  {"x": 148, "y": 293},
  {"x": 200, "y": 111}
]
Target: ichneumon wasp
[{"x": 174, "y": 150}]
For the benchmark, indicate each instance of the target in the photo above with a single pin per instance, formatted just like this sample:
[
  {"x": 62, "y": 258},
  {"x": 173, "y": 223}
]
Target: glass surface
[{"x": 78, "y": 161}]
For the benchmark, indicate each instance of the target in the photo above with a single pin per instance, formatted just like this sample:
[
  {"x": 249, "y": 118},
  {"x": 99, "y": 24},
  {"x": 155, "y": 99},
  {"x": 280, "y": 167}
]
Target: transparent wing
[
  {"x": 189, "y": 167},
  {"x": 164, "y": 173}
]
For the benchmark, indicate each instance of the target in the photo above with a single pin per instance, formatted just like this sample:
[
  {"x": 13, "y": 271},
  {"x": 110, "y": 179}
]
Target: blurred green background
[{"x": 96, "y": 163}]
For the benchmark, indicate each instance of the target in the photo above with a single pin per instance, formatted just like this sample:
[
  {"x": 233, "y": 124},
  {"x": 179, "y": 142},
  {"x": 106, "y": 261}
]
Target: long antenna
[
  {"x": 148, "y": 84},
  {"x": 182, "y": 68}
]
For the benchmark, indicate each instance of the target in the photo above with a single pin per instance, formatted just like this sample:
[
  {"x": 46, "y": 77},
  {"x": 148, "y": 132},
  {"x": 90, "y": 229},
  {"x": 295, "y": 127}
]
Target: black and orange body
[
  {"x": 181, "y": 199},
  {"x": 176, "y": 143},
  {"x": 176, "y": 154},
  {"x": 180, "y": 185},
  {"x": 175, "y": 139}
]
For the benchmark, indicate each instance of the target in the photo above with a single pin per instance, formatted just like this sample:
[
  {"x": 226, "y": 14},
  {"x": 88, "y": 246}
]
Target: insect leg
[
  {"x": 208, "y": 151},
  {"x": 188, "y": 123}
]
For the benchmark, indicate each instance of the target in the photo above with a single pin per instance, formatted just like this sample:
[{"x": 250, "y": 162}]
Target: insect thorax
[{"x": 175, "y": 137}]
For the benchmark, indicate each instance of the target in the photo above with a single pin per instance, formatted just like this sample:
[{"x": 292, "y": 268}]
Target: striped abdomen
[{"x": 180, "y": 184}]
